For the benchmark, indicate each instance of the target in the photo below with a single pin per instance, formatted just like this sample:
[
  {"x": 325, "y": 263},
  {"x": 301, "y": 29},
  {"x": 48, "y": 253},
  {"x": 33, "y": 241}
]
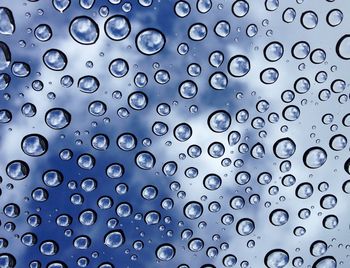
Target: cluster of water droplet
[{"x": 196, "y": 134}]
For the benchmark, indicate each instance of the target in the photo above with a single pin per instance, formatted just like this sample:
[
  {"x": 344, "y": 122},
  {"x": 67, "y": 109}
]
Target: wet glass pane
[{"x": 163, "y": 133}]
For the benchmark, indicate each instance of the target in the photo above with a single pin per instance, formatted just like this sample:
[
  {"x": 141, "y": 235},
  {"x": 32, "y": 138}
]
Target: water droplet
[
  {"x": 343, "y": 47},
  {"x": 279, "y": 217},
  {"x": 84, "y": 30},
  {"x": 240, "y": 8},
  {"x": 273, "y": 51},
  {"x": 34, "y": 145},
  {"x": 219, "y": 121},
  {"x": 188, "y": 89},
  {"x": 309, "y": 19},
  {"x": 150, "y": 41},
  {"x": 118, "y": 68},
  {"x": 239, "y": 66},
  {"x": 182, "y": 9},
  {"x": 245, "y": 226},
  {"x": 7, "y": 25},
  {"x": 276, "y": 258},
  {"x": 145, "y": 160},
  {"x": 5, "y": 56},
  {"x": 315, "y": 157},
  {"x": 193, "y": 210},
  {"x": 61, "y": 5},
  {"x": 17, "y": 170},
  {"x": 197, "y": 32},
  {"x": 165, "y": 252},
  {"x": 284, "y": 148},
  {"x": 117, "y": 27},
  {"x": 55, "y": 59},
  {"x": 57, "y": 118},
  {"x": 325, "y": 262},
  {"x": 88, "y": 84},
  {"x": 43, "y": 32}
]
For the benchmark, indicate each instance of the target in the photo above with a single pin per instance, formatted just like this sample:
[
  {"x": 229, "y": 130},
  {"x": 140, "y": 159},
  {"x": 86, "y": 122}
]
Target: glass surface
[{"x": 162, "y": 133}]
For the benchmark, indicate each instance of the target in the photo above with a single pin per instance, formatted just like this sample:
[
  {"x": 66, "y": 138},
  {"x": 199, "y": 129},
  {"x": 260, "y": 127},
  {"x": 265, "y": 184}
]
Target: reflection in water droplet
[
  {"x": 88, "y": 84},
  {"x": 17, "y": 170},
  {"x": 304, "y": 190},
  {"x": 193, "y": 210},
  {"x": 8, "y": 260},
  {"x": 188, "y": 89},
  {"x": 239, "y": 66},
  {"x": 52, "y": 178},
  {"x": 117, "y": 27},
  {"x": 118, "y": 68},
  {"x": 20, "y": 69},
  {"x": 279, "y": 217},
  {"x": 203, "y": 6},
  {"x": 114, "y": 239},
  {"x": 5, "y": 56},
  {"x": 165, "y": 252},
  {"x": 43, "y": 32},
  {"x": 273, "y": 51},
  {"x": 138, "y": 100},
  {"x": 7, "y": 25},
  {"x": 269, "y": 76},
  {"x": 315, "y": 157},
  {"x": 84, "y": 30},
  {"x": 284, "y": 148},
  {"x": 55, "y": 59},
  {"x": 222, "y": 29},
  {"x": 325, "y": 262},
  {"x": 212, "y": 182},
  {"x": 335, "y": 17},
  {"x": 57, "y": 118},
  {"x": 218, "y": 81},
  {"x": 289, "y": 15},
  {"x": 87, "y": 4},
  {"x": 182, "y": 9},
  {"x": 182, "y": 132},
  {"x": 240, "y": 8},
  {"x": 49, "y": 248},
  {"x": 276, "y": 258},
  {"x": 309, "y": 19},
  {"x": 34, "y": 145},
  {"x": 145, "y": 160},
  {"x": 197, "y": 32},
  {"x": 150, "y": 41},
  {"x": 347, "y": 166},
  {"x": 5, "y": 80},
  {"x": 245, "y": 227},
  {"x": 61, "y": 5},
  {"x": 343, "y": 47},
  {"x": 219, "y": 121}
]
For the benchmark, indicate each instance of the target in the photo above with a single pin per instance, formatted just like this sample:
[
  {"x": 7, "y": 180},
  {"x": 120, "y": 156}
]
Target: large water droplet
[
  {"x": 5, "y": 56},
  {"x": 150, "y": 41},
  {"x": 315, "y": 157},
  {"x": 84, "y": 30},
  {"x": 343, "y": 47},
  {"x": 17, "y": 170},
  {"x": 34, "y": 145},
  {"x": 55, "y": 59},
  {"x": 165, "y": 252},
  {"x": 284, "y": 148},
  {"x": 7, "y": 23},
  {"x": 276, "y": 258},
  {"x": 239, "y": 66},
  {"x": 117, "y": 27},
  {"x": 193, "y": 210},
  {"x": 57, "y": 118}
]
